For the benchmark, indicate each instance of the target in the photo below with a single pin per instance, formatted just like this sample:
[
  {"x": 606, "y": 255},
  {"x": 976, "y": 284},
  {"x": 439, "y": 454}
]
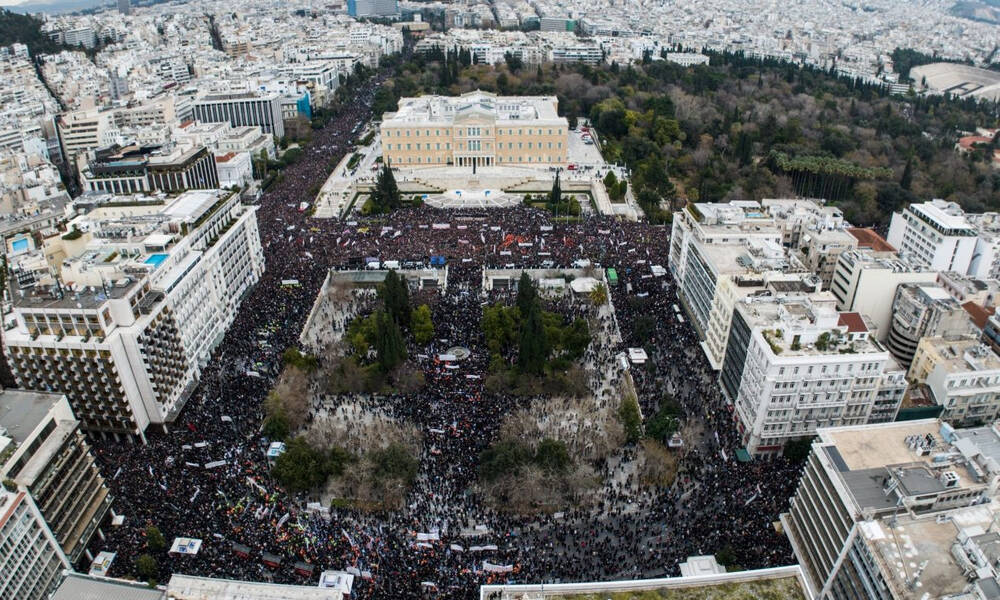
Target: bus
[{"x": 612, "y": 276}]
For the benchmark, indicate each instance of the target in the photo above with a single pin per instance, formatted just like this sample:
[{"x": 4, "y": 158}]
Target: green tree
[
  {"x": 499, "y": 327},
  {"x": 610, "y": 181},
  {"x": 395, "y": 296},
  {"x": 146, "y": 566},
  {"x": 527, "y": 294},
  {"x": 907, "y": 178},
  {"x": 503, "y": 458},
  {"x": 421, "y": 325},
  {"x": 552, "y": 455},
  {"x": 385, "y": 197},
  {"x": 388, "y": 342},
  {"x": 631, "y": 418},
  {"x": 797, "y": 450},
  {"x": 276, "y": 426},
  {"x": 395, "y": 462},
  {"x": 555, "y": 196},
  {"x": 301, "y": 467},
  {"x": 599, "y": 295},
  {"x": 154, "y": 539},
  {"x": 534, "y": 344}
]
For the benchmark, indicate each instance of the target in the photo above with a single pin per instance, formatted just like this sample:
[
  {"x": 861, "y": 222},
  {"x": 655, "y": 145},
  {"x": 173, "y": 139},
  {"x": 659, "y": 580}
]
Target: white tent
[{"x": 583, "y": 285}]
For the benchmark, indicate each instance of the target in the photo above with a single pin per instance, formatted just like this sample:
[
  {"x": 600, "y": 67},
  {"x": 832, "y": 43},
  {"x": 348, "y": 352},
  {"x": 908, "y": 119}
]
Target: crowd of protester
[{"x": 243, "y": 517}]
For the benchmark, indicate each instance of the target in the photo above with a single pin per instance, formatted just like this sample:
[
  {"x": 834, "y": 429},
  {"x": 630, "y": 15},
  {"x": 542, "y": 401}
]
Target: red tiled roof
[
  {"x": 979, "y": 314},
  {"x": 869, "y": 238},
  {"x": 854, "y": 322},
  {"x": 971, "y": 140},
  {"x": 225, "y": 157}
]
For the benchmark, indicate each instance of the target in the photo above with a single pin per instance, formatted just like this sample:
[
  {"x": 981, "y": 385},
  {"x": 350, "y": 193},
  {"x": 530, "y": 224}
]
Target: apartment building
[
  {"x": 865, "y": 282},
  {"x": 475, "y": 129},
  {"x": 241, "y": 109},
  {"x": 723, "y": 253},
  {"x": 121, "y": 313},
  {"x": 580, "y": 53},
  {"x": 935, "y": 235},
  {"x": 793, "y": 365},
  {"x": 923, "y": 310},
  {"x": 137, "y": 169},
  {"x": 898, "y": 511},
  {"x": 31, "y": 562},
  {"x": 46, "y": 454},
  {"x": 81, "y": 131},
  {"x": 966, "y": 288},
  {"x": 962, "y": 375}
]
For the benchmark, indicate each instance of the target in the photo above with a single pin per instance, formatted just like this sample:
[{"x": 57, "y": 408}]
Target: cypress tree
[
  {"x": 533, "y": 349},
  {"x": 527, "y": 295},
  {"x": 907, "y": 179}
]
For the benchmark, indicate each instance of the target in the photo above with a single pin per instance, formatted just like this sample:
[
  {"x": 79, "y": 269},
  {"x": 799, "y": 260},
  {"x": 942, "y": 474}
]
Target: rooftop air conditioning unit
[{"x": 949, "y": 479}]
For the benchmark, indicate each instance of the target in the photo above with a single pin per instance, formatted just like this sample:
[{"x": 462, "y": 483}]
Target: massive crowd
[{"x": 716, "y": 501}]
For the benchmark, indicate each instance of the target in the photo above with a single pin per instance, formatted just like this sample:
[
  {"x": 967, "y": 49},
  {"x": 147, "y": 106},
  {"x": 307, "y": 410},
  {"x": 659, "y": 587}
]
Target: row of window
[
  {"x": 474, "y": 131},
  {"x": 441, "y": 160},
  {"x": 473, "y": 145}
]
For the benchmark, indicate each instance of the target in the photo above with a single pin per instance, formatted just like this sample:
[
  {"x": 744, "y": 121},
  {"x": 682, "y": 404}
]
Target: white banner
[{"x": 492, "y": 568}]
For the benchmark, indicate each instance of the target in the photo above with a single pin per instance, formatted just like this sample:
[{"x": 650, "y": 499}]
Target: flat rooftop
[
  {"x": 903, "y": 547},
  {"x": 780, "y": 582},
  {"x": 188, "y": 587},
  {"x": 870, "y": 448},
  {"x": 526, "y": 110},
  {"x": 77, "y": 586},
  {"x": 21, "y": 411}
]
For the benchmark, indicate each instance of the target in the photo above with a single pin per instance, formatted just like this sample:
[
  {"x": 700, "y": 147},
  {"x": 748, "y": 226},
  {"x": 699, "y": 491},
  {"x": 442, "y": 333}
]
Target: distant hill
[
  {"x": 25, "y": 29},
  {"x": 987, "y": 11},
  {"x": 55, "y": 6}
]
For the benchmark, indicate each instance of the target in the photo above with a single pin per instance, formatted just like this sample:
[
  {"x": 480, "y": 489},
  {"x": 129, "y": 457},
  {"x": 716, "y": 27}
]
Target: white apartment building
[
  {"x": 121, "y": 313},
  {"x": 923, "y": 310},
  {"x": 866, "y": 282},
  {"x": 590, "y": 55},
  {"x": 723, "y": 253},
  {"x": 966, "y": 288},
  {"x": 242, "y": 109},
  {"x": 235, "y": 169},
  {"x": 985, "y": 263},
  {"x": 81, "y": 131},
  {"x": 962, "y": 375},
  {"x": 935, "y": 235},
  {"x": 898, "y": 511},
  {"x": 31, "y": 561},
  {"x": 793, "y": 365},
  {"x": 43, "y": 452}
]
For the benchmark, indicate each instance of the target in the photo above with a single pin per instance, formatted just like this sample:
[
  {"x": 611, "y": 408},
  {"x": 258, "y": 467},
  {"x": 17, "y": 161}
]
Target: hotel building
[
  {"x": 121, "y": 313},
  {"x": 475, "y": 129}
]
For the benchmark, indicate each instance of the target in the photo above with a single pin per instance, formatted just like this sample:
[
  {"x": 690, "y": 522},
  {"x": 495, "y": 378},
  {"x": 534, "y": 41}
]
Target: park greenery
[
  {"x": 746, "y": 128},
  {"x": 531, "y": 347},
  {"x": 509, "y": 456},
  {"x": 631, "y": 418}
]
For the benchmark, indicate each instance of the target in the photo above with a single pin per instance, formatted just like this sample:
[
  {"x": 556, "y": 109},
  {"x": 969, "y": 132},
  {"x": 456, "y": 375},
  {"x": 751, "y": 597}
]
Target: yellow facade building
[{"x": 475, "y": 129}]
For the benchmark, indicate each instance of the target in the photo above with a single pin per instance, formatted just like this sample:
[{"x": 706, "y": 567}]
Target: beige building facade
[{"x": 476, "y": 129}]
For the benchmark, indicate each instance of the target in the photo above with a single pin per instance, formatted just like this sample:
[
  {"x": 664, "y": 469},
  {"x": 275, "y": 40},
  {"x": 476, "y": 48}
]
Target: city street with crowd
[{"x": 630, "y": 531}]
